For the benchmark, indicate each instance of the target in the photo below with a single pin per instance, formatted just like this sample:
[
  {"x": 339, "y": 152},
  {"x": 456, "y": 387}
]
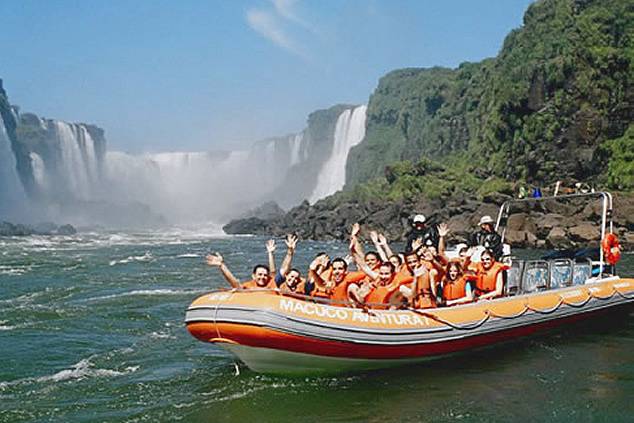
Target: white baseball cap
[
  {"x": 419, "y": 218},
  {"x": 485, "y": 220}
]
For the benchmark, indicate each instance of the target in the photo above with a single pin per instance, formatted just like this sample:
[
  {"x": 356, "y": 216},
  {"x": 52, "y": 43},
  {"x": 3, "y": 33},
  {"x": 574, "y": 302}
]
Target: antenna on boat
[{"x": 606, "y": 213}]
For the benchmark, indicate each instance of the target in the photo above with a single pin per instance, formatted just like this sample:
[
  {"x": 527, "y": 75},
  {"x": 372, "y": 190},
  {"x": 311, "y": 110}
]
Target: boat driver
[
  {"x": 428, "y": 234},
  {"x": 487, "y": 237}
]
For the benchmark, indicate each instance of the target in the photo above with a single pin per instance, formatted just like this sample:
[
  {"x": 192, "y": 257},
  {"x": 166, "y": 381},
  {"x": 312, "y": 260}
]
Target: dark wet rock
[
  {"x": 66, "y": 230},
  {"x": 584, "y": 231},
  {"x": 539, "y": 226},
  {"x": 557, "y": 238},
  {"x": 251, "y": 225},
  {"x": 9, "y": 229},
  {"x": 46, "y": 228},
  {"x": 266, "y": 211}
]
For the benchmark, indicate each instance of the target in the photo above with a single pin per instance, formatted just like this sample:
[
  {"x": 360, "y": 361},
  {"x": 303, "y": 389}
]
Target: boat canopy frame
[{"x": 606, "y": 213}]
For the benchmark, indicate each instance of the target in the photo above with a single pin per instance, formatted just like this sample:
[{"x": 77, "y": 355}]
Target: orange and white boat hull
[{"x": 272, "y": 333}]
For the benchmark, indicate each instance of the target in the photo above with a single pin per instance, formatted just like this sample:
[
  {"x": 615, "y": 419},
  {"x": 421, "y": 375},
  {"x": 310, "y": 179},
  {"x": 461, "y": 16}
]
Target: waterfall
[
  {"x": 39, "y": 171},
  {"x": 349, "y": 131},
  {"x": 78, "y": 164},
  {"x": 12, "y": 197},
  {"x": 296, "y": 143},
  {"x": 73, "y": 173}
]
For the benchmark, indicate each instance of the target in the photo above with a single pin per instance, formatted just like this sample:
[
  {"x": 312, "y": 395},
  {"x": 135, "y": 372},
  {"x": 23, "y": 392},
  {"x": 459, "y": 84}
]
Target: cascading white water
[
  {"x": 39, "y": 171},
  {"x": 181, "y": 186},
  {"x": 79, "y": 167},
  {"x": 296, "y": 143},
  {"x": 12, "y": 196},
  {"x": 75, "y": 173},
  {"x": 349, "y": 131}
]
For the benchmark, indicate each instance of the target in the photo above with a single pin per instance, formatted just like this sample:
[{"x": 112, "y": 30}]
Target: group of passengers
[{"x": 423, "y": 276}]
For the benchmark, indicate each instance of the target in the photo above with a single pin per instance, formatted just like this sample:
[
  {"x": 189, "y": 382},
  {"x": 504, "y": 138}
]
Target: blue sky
[{"x": 204, "y": 75}]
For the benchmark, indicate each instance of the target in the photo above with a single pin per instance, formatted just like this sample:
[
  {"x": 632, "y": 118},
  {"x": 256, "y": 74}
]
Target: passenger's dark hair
[
  {"x": 398, "y": 257},
  {"x": 410, "y": 253},
  {"x": 321, "y": 253},
  {"x": 457, "y": 265},
  {"x": 388, "y": 264},
  {"x": 258, "y": 266},
  {"x": 294, "y": 269},
  {"x": 373, "y": 253},
  {"x": 488, "y": 253},
  {"x": 339, "y": 259}
]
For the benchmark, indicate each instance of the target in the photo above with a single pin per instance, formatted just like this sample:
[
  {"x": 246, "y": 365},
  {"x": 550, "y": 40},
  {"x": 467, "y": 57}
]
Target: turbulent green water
[{"x": 91, "y": 329}]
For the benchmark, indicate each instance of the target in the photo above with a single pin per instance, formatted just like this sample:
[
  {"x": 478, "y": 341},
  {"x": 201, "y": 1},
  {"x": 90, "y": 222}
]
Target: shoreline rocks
[
  {"x": 569, "y": 224},
  {"x": 45, "y": 228}
]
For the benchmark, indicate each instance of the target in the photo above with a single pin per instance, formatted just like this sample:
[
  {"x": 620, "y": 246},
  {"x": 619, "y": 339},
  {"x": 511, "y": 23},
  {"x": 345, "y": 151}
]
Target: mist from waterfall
[
  {"x": 349, "y": 132},
  {"x": 12, "y": 196},
  {"x": 74, "y": 178}
]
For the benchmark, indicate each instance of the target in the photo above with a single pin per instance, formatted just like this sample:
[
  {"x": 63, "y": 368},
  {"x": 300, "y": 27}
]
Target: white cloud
[
  {"x": 267, "y": 25},
  {"x": 270, "y": 24},
  {"x": 286, "y": 9}
]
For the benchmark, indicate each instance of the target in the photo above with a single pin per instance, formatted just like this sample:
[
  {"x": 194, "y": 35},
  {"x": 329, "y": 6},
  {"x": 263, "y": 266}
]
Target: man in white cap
[
  {"x": 487, "y": 237},
  {"x": 428, "y": 234}
]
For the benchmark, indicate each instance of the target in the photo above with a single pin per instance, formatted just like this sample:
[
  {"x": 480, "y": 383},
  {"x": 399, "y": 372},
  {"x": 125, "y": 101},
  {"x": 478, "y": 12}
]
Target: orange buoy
[{"x": 611, "y": 248}]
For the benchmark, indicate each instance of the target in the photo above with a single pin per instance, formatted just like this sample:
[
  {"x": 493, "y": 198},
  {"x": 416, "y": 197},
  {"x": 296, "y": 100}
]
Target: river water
[{"x": 91, "y": 330}]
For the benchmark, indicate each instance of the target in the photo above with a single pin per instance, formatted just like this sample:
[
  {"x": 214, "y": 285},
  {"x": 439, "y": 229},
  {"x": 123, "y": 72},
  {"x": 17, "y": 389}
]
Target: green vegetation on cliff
[{"x": 542, "y": 110}]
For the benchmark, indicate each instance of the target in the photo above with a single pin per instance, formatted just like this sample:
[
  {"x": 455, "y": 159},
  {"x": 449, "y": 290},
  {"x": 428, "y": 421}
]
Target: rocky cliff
[{"x": 544, "y": 109}]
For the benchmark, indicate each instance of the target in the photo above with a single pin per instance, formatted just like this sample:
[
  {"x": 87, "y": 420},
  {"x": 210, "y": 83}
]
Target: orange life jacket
[
  {"x": 454, "y": 290},
  {"x": 340, "y": 293},
  {"x": 252, "y": 285},
  {"x": 300, "y": 287},
  {"x": 487, "y": 279},
  {"x": 381, "y": 293},
  {"x": 424, "y": 294}
]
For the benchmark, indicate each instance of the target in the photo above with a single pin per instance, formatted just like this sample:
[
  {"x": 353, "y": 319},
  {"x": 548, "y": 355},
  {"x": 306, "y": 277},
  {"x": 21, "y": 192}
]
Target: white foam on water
[
  {"x": 83, "y": 369},
  {"x": 188, "y": 255},
  {"x": 14, "y": 270},
  {"x": 150, "y": 292},
  {"x": 161, "y": 335},
  {"x": 147, "y": 257},
  {"x": 6, "y": 327}
]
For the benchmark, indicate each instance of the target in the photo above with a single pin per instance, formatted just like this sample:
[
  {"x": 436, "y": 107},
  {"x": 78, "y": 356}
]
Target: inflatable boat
[{"x": 275, "y": 333}]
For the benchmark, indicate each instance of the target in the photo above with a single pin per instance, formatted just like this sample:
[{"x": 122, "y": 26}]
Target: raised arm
[
  {"x": 386, "y": 247},
  {"x": 361, "y": 264},
  {"x": 355, "y": 245},
  {"x": 291, "y": 243},
  {"x": 217, "y": 261},
  {"x": 314, "y": 274},
  {"x": 374, "y": 236},
  {"x": 443, "y": 231},
  {"x": 270, "y": 248}
]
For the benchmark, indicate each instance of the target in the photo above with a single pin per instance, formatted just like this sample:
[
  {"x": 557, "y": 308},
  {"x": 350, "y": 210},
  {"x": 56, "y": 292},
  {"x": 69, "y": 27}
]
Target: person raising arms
[
  {"x": 260, "y": 277},
  {"x": 372, "y": 258},
  {"x": 288, "y": 279},
  {"x": 336, "y": 287},
  {"x": 383, "y": 287}
]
